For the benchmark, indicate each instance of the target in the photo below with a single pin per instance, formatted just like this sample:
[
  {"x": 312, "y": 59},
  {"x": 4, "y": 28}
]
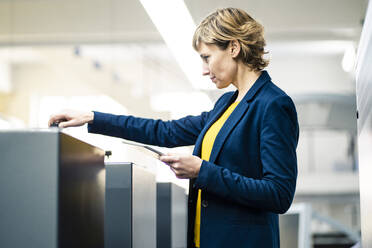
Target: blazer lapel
[
  {"x": 233, "y": 119},
  {"x": 227, "y": 128},
  {"x": 198, "y": 143}
]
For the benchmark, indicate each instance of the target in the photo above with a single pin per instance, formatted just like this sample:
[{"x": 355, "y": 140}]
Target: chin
[{"x": 221, "y": 86}]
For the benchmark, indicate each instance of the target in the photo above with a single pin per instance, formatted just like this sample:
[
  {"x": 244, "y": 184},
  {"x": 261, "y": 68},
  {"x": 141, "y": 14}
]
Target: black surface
[
  {"x": 163, "y": 215},
  {"x": 81, "y": 195},
  {"x": 118, "y": 206}
]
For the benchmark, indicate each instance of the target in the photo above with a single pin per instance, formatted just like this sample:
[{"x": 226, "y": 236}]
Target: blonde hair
[{"x": 225, "y": 25}]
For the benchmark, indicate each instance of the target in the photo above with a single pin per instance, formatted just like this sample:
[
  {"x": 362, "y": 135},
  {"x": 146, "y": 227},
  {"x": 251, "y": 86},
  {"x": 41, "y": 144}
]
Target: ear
[{"x": 234, "y": 48}]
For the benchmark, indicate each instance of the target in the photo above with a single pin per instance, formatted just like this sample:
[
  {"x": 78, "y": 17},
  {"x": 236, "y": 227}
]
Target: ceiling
[
  {"x": 306, "y": 41},
  {"x": 127, "y": 21}
]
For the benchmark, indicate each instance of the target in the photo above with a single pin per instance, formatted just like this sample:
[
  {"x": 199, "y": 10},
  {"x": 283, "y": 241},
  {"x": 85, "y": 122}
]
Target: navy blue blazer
[{"x": 250, "y": 177}]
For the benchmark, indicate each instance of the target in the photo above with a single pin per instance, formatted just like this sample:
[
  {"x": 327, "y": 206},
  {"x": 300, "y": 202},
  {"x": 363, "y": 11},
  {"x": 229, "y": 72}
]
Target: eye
[{"x": 205, "y": 58}]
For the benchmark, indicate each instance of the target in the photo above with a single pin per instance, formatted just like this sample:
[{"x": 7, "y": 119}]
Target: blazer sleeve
[
  {"x": 172, "y": 133},
  {"x": 273, "y": 192}
]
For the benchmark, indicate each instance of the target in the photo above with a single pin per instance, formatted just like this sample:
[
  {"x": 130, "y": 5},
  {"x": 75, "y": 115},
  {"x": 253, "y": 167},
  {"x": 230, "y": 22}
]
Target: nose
[{"x": 205, "y": 70}]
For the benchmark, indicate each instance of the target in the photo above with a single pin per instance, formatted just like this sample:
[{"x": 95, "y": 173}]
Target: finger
[
  {"x": 169, "y": 159},
  {"x": 169, "y": 164},
  {"x": 70, "y": 123},
  {"x": 177, "y": 173},
  {"x": 51, "y": 120},
  {"x": 55, "y": 118},
  {"x": 173, "y": 170},
  {"x": 175, "y": 155},
  {"x": 175, "y": 166}
]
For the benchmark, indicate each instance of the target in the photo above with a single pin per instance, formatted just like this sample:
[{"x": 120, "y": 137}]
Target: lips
[{"x": 213, "y": 79}]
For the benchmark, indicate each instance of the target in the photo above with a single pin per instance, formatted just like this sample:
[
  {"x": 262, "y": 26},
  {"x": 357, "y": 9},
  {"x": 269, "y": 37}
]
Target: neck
[{"x": 245, "y": 78}]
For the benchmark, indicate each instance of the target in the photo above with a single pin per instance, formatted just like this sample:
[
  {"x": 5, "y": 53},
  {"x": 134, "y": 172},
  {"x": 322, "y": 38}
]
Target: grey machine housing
[
  {"x": 52, "y": 189},
  {"x": 130, "y": 208}
]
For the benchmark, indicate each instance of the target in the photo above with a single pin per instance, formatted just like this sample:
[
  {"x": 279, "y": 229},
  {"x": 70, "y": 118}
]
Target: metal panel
[
  {"x": 163, "y": 215},
  {"x": 179, "y": 216},
  {"x": 130, "y": 207},
  {"x": 118, "y": 205},
  {"x": 144, "y": 208},
  {"x": 364, "y": 105},
  {"x": 294, "y": 225},
  {"x": 28, "y": 189},
  {"x": 171, "y": 216},
  {"x": 289, "y": 230},
  {"x": 51, "y": 190},
  {"x": 81, "y": 194}
]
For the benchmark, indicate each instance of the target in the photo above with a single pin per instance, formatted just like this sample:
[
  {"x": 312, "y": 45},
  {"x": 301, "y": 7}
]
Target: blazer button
[{"x": 204, "y": 203}]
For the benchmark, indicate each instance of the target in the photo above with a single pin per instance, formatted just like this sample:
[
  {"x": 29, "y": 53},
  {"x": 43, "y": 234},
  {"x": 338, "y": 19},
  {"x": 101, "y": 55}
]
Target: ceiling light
[
  {"x": 176, "y": 26},
  {"x": 5, "y": 78},
  {"x": 348, "y": 61}
]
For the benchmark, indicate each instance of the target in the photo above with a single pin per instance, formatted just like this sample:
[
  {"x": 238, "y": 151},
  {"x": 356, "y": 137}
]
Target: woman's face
[{"x": 218, "y": 64}]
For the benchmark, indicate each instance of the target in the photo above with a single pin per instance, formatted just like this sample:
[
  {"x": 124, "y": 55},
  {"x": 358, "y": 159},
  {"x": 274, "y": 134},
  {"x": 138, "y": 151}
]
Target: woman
[{"x": 243, "y": 169}]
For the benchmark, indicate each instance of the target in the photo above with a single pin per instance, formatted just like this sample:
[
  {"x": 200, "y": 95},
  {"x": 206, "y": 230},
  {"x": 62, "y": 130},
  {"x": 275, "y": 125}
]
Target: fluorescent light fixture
[
  {"x": 176, "y": 26},
  {"x": 5, "y": 78},
  {"x": 20, "y": 55},
  {"x": 348, "y": 61},
  {"x": 181, "y": 103},
  {"x": 4, "y": 124}
]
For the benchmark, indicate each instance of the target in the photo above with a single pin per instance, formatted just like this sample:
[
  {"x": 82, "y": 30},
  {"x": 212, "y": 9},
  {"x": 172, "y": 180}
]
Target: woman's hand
[
  {"x": 71, "y": 118},
  {"x": 184, "y": 166}
]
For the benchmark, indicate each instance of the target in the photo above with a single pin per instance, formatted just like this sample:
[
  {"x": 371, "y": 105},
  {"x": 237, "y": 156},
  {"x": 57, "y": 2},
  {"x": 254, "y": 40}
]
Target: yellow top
[{"x": 206, "y": 150}]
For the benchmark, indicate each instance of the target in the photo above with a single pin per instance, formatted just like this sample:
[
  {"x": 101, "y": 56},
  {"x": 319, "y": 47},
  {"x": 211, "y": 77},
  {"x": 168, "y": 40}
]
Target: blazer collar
[
  {"x": 234, "y": 118},
  {"x": 261, "y": 81}
]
